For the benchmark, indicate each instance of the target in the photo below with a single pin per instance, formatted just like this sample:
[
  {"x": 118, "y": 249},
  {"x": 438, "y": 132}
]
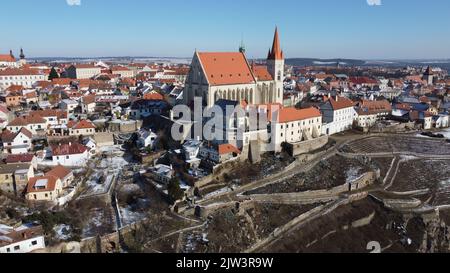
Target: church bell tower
[{"x": 275, "y": 66}]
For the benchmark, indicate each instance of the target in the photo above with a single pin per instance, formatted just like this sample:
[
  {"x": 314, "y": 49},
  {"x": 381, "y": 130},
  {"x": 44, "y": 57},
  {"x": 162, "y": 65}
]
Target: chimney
[
  {"x": 70, "y": 143},
  {"x": 337, "y": 98}
]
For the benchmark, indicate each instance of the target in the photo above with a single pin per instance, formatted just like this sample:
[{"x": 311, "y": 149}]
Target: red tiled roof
[
  {"x": 68, "y": 149},
  {"x": 82, "y": 124},
  {"x": 89, "y": 99},
  {"x": 16, "y": 71},
  {"x": 7, "y": 136},
  {"x": 62, "y": 81},
  {"x": 224, "y": 68},
  {"x": 119, "y": 68},
  {"x": 85, "y": 66},
  {"x": 227, "y": 149},
  {"x": 362, "y": 80},
  {"x": 49, "y": 113},
  {"x": 20, "y": 158},
  {"x": 25, "y": 120},
  {"x": 51, "y": 183},
  {"x": 276, "y": 53},
  {"x": 26, "y": 132},
  {"x": 7, "y": 58},
  {"x": 153, "y": 96},
  {"x": 290, "y": 114},
  {"x": 59, "y": 171},
  {"x": 340, "y": 103},
  {"x": 261, "y": 73},
  {"x": 15, "y": 88}
]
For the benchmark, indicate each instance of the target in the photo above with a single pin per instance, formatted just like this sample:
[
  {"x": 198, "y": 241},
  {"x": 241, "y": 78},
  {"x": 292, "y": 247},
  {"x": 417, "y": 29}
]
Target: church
[{"x": 229, "y": 75}]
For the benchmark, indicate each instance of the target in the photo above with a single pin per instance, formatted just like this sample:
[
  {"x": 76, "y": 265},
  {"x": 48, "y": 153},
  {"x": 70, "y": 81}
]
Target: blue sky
[{"x": 396, "y": 29}]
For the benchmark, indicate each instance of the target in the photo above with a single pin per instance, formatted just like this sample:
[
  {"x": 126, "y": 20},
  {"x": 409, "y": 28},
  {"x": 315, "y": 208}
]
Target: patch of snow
[
  {"x": 62, "y": 232},
  {"x": 405, "y": 158},
  {"x": 352, "y": 174},
  {"x": 129, "y": 216}
]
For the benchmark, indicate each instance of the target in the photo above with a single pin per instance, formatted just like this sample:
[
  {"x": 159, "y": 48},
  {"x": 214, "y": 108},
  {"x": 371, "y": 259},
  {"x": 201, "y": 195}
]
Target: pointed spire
[
  {"x": 22, "y": 56},
  {"x": 276, "y": 52}
]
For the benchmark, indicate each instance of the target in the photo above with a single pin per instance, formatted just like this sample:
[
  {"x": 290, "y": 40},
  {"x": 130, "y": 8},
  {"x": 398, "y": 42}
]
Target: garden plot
[
  {"x": 105, "y": 170},
  {"x": 398, "y": 144},
  {"x": 425, "y": 174},
  {"x": 327, "y": 174},
  {"x": 383, "y": 163},
  {"x": 230, "y": 231},
  {"x": 350, "y": 228}
]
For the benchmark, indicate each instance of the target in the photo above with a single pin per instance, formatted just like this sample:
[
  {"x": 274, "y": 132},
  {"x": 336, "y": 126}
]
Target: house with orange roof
[
  {"x": 219, "y": 153},
  {"x": 228, "y": 75},
  {"x": 369, "y": 112},
  {"x": 20, "y": 76},
  {"x": 64, "y": 174},
  {"x": 8, "y": 60},
  {"x": 33, "y": 123},
  {"x": 338, "y": 115},
  {"x": 81, "y": 128},
  {"x": 71, "y": 154},
  {"x": 88, "y": 104},
  {"x": 292, "y": 125},
  {"x": 43, "y": 188},
  {"x": 122, "y": 71},
  {"x": 13, "y": 99}
]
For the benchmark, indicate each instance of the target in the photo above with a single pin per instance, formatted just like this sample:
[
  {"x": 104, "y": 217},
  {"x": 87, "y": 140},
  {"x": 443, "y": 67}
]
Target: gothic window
[{"x": 279, "y": 75}]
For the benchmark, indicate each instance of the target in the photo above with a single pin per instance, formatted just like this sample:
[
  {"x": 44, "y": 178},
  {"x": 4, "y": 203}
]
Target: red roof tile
[
  {"x": 227, "y": 149},
  {"x": 224, "y": 68},
  {"x": 68, "y": 149},
  {"x": 291, "y": 114}
]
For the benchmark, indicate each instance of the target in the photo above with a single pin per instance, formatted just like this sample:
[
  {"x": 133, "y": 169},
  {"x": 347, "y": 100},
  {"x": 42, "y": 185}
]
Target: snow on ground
[
  {"x": 352, "y": 174},
  {"x": 90, "y": 229},
  {"x": 445, "y": 132},
  {"x": 62, "y": 232},
  {"x": 128, "y": 216},
  {"x": 405, "y": 158},
  {"x": 217, "y": 192},
  {"x": 94, "y": 186}
]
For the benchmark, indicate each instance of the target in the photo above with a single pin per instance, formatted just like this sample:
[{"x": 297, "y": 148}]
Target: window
[
  {"x": 17, "y": 248},
  {"x": 8, "y": 250},
  {"x": 67, "y": 157},
  {"x": 34, "y": 243}
]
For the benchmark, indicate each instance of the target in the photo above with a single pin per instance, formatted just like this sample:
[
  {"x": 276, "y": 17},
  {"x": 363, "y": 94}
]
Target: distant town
[{"x": 302, "y": 156}]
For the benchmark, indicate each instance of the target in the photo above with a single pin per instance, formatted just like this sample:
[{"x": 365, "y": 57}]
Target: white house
[
  {"x": 72, "y": 154},
  {"x": 33, "y": 123},
  {"x": 25, "y": 77},
  {"x": 146, "y": 138},
  {"x": 83, "y": 71},
  {"x": 17, "y": 143},
  {"x": 295, "y": 125},
  {"x": 162, "y": 173},
  {"x": 44, "y": 188},
  {"x": 219, "y": 153},
  {"x": 81, "y": 128},
  {"x": 338, "y": 114},
  {"x": 23, "y": 239}
]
